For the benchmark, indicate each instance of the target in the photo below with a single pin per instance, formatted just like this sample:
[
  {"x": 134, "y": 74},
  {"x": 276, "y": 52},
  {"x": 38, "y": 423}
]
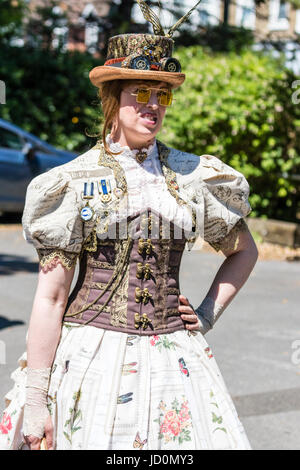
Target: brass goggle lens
[{"x": 164, "y": 97}]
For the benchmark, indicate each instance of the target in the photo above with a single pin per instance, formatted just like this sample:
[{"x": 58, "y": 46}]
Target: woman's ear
[{"x": 113, "y": 128}]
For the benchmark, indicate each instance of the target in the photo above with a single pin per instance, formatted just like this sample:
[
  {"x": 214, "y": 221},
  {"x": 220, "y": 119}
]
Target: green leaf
[{"x": 67, "y": 437}]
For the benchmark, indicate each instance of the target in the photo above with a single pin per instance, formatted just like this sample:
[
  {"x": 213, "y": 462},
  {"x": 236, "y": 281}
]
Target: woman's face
[{"x": 138, "y": 123}]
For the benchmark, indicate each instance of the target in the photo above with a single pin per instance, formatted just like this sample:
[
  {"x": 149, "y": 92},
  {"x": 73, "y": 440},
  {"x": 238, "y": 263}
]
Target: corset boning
[{"x": 143, "y": 297}]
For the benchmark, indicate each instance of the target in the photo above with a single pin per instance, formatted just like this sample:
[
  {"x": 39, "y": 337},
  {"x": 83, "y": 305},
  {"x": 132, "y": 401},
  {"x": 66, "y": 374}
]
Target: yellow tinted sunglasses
[{"x": 164, "y": 97}]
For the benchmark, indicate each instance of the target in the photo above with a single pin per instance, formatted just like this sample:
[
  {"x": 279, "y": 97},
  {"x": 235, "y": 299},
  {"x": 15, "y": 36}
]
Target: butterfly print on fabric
[
  {"x": 183, "y": 367},
  {"x": 124, "y": 398},
  {"x": 138, "y": 443},
  {"x": 129, "y": 340},
  {"x": 127, "y": 369}
]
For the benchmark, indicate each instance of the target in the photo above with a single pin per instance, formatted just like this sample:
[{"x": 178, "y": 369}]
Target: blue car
[{"x": 22, "y": 157}]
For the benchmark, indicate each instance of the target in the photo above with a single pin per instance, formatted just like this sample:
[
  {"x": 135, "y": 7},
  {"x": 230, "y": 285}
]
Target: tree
[
  {"x": 11, "y": 17},
  {"x": 46, "y": 21}
]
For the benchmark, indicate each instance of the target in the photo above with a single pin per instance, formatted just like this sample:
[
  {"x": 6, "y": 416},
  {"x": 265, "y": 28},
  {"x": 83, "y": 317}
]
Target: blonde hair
[{"x": 110, "y": 93}]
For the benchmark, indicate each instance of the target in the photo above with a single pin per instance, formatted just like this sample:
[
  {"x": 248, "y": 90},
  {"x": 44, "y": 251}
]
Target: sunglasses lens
[
  {"x": 165, "y": 98},
  {"x": 143, "y": 96}
]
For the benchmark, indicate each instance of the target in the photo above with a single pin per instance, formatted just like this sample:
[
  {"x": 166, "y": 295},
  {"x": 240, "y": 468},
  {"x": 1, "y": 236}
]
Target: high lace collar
[{"x": 116, "y": 147}]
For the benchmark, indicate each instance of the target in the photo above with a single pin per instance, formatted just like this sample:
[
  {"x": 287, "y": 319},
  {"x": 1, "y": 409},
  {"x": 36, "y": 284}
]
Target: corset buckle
[
  {"x": 141, "y": 321},
  {"x": 142, "y": 295},
  {"x": 143, "y": 272}
]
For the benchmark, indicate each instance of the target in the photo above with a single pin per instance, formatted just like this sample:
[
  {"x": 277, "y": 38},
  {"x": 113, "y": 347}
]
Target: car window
[{"x": 10, "y": 140}]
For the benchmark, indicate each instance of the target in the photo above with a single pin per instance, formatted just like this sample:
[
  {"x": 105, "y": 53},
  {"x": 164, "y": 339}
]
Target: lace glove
[
  {"x": 35, "y": 410},
  {"x": 208, "y": 313}
]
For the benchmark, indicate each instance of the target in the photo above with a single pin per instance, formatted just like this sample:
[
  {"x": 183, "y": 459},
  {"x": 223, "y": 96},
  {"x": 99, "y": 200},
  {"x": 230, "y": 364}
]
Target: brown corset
[{"x": 141, "y": 296}]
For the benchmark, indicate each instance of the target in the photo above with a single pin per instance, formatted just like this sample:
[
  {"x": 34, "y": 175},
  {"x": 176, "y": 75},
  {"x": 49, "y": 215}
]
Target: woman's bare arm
[
  {"x": 43, "y": 337},
  {"x": 241, "y": 255},
  {"x": 46, "y": 317}
]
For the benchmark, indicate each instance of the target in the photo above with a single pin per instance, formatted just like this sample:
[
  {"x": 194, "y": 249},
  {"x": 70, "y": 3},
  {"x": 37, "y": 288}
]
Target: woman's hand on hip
[{"x": 188, "y": 314}]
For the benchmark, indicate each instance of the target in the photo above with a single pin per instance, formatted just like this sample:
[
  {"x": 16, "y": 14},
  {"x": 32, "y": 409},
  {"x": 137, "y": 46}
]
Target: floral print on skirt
[{"x": 111, "y": 390}]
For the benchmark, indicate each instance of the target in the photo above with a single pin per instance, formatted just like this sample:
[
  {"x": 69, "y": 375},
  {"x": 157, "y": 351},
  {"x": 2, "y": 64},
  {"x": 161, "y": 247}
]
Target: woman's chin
[{"x": 148, "y": 130}]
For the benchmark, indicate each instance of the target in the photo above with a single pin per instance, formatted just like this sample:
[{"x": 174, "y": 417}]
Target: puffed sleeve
[
  {"x": 226, "y": 204},
  {"x": 51, "y": 218}
]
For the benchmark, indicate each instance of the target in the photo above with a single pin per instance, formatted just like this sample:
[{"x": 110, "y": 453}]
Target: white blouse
[{"x": 147, "y": 185}]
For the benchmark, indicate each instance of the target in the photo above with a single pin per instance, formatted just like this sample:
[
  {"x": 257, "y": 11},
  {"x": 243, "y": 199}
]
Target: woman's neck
[{"x": 133, "y": 144}]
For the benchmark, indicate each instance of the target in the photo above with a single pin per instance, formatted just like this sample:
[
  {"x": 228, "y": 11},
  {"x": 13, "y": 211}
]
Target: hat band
[
  {"x": 114, "y": 61},
  {"x": 119, "y": 63},
  {"x": 143, "y": 62}
]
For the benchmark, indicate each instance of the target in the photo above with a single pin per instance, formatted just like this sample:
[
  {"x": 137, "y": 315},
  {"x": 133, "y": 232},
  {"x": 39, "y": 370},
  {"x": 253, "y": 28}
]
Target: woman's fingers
[
  {"x": 186, "y": 309},
  {"x": 187, "y": 314},
  {"x": 49, "y": 433},
  {"x": 33, "y": 442},
  {"x": 189, "y": 318},
  {"x": 183, "y": 300}
]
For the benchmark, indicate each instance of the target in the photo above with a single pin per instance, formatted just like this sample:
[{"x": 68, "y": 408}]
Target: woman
[{"x": 129, "y": 368}]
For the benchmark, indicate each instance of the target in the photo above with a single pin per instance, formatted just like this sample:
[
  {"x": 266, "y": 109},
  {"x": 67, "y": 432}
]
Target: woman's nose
[{"x": 153, "y": 101}]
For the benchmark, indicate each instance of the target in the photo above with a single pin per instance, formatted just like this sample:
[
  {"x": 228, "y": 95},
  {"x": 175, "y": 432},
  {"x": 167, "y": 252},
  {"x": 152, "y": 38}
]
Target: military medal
[
  {"x": 87, "y": 212},
  {"x": 104, "y": 188}
]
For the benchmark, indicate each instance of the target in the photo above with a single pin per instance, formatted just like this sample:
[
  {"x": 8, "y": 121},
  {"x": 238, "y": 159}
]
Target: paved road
[{"x": 252, "y": 341}]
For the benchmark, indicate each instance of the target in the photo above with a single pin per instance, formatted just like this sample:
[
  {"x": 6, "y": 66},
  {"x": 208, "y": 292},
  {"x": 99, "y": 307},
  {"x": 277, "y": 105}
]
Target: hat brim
[{"x": 105, "y": 73}]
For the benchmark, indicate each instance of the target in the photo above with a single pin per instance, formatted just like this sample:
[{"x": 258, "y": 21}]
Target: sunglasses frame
[{"x": 169, "y": 92}]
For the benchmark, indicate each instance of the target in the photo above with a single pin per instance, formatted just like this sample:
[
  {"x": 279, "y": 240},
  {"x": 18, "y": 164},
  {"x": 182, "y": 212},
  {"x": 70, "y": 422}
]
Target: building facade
[{"x": 275, "y": 21}]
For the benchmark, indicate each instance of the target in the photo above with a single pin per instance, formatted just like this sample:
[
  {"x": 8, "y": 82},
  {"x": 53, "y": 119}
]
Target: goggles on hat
[{"x": 164, "y": 97}]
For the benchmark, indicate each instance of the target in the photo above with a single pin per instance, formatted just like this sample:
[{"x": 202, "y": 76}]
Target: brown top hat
[{"x": 142, "y": 56}]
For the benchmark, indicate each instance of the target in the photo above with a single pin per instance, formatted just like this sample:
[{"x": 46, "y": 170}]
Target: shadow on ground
[
  {"x": 11, "y": 218},
  {"x": 6, "y": 323},
  {"x": 12, "y": 264}
]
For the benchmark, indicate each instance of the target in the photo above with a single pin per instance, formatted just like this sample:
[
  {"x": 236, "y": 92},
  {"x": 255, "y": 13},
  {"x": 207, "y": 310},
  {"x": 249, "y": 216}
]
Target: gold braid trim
[
  {"x": 170, "y": 175},
  {"x": 124, "y": 254},
  {"x": 109, "y": 161},
  {"x": 171, "y": 181},
  {"x": 231, "y": 240},
  {"x": 47, "y": 256}
]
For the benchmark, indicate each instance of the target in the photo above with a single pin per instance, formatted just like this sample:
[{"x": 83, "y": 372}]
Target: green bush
[
  {"x": 239, "y": 108},
  {"x": 49, "y": 94}
]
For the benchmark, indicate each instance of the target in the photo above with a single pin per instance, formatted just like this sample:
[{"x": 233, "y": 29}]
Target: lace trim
[{"x": 48, "y": 256}]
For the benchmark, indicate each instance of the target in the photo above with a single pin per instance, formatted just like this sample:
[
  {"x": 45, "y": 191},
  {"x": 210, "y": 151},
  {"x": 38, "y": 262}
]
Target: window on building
[
  {"x": 209, "y": 11},
  {"x": 283, "y": 10},
  {"x": 91, "y": 36},
  {"x": 60, "y": 30},
  {"x": 297, "y": 24},
  {"x": 60, "y": 37},
  {"x": 245, "y": 14},
  {"x": 91, "y": 32},
  {"x": 278, "y": 15}
]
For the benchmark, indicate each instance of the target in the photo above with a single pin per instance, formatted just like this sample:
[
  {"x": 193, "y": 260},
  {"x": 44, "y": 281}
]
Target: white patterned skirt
[{"x": 111, "y": 390}]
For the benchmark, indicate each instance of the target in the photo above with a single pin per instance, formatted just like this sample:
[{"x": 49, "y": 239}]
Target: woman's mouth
[{"x": 149, "y": 118}]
